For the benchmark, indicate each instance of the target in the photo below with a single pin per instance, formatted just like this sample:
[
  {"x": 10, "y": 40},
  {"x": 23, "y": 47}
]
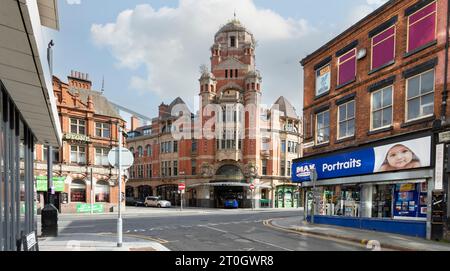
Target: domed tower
[{"x": 233, "y": 83}]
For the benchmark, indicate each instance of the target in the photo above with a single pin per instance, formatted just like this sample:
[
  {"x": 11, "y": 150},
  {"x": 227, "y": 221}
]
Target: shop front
[
  {"x": 384, "y": 187},
  {"x": 287, "y": 196}
]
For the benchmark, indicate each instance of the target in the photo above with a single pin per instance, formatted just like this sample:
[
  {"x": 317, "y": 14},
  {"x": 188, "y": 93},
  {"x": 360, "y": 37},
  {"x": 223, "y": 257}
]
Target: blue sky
[{"x": 150, "y": 51}]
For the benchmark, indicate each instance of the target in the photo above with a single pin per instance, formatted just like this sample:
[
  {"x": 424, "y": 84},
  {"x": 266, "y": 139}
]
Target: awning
[{"x": 223, "y": 184}]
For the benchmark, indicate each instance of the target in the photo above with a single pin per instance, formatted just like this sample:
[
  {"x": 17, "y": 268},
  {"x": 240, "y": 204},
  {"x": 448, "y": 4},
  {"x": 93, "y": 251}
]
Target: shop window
[
  {"x": 382, "y": 201},
  {"x": 383, "y": 48},
  {"x": 102, "y": 192},
  {"x": 323, "y": 80},
  {"x": 420, "y": 96},
  {"x": 382, "y": 108},
  {"x": 78, "y": 191},
  {"x": 323, "y": 127},
  {"x": 346, "y": 124},
  {"x": 347, "y": 67},
  {"x": 339, "y": 201},
  {"x": 422, "y": 27}
]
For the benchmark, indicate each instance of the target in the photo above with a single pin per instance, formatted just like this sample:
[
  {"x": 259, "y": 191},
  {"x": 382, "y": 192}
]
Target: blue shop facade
[{"x": 384, "y": 186}]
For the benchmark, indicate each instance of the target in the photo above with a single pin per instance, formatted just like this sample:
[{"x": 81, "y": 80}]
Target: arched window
[
  {"x": 102, "y": 192},
  {"x": 132, "y": 151},
  {"x": 78, "y": 191},
  {"x": 149, "y": 150},
  {"x": 140, "y": 151}
]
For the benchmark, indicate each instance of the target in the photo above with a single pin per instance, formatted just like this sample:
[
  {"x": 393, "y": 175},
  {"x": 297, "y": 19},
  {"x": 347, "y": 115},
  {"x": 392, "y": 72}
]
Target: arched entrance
[
  {"x": 144, "y": 191},
  {"x": 229, "y": 184},
  {"x": 168, "y": 192}
]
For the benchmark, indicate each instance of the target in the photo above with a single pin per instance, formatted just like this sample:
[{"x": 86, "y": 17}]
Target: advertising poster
[
  {"x": 323, "y": 80},
  {"x": 409, "y": 154}
]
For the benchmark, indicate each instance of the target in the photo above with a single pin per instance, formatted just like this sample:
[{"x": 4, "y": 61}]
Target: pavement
[
  {"x": 97, "y": 242},
  {"x": 372, "y": 239}
]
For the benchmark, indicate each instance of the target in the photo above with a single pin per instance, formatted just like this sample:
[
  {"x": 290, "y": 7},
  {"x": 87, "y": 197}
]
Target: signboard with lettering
[
  {"x": 58, "y": 183},
  {"x": 77, "y": 137},
  {"x": 415, "y": 153},
  {"x": 86, "y": 208}
]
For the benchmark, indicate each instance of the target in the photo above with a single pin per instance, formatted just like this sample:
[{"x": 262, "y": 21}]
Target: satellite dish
[{"x": 362, "y": 53}]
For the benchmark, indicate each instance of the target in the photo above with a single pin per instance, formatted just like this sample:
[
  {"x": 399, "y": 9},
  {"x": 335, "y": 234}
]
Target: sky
[{"x": 150, "y": 51}]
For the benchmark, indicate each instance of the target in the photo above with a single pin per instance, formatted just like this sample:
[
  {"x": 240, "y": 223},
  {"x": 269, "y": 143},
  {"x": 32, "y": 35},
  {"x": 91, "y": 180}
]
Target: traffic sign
[
  {"x": 126, "y": 159},
  {"x": 181, "y": 186},
  {"x": 252, "y": 187}
]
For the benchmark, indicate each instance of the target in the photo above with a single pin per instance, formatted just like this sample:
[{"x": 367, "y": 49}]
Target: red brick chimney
[
  {"x": 134, "y": 123},
  {"x": 79, "y": 80}
]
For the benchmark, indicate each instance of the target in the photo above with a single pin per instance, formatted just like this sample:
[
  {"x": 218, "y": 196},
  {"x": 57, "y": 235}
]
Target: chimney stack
[{"x": 79, "y": 80}]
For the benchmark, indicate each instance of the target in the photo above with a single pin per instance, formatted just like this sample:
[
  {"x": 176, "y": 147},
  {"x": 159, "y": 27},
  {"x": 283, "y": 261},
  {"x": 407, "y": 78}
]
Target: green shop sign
[
  {"x": 86, "y": 208},
  {"x": 58, "y": 183}
]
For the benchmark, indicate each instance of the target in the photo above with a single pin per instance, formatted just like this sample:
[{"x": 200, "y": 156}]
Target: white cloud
[
  {"x": 171, "y": 43},
  {"x": 361, "y": 11},
  {"x": 73, "y": 2}
]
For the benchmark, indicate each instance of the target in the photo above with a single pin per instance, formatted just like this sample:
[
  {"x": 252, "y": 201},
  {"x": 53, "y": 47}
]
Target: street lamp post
[{"x": 119, "y": 178}]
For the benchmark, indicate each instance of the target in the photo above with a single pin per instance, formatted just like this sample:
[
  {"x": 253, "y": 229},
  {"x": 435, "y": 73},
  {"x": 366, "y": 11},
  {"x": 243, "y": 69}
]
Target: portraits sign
[{"x": 404, "y": 155}]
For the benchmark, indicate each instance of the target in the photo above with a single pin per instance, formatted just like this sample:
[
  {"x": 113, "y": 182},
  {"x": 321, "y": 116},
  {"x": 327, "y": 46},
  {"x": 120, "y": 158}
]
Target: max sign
[{"x": 404, "y": 155}]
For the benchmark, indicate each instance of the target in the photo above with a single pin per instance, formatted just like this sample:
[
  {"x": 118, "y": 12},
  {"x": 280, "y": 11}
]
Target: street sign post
[
  {"x": 313, "y": 177},
  {"x": 120, "y": 158},
  {"x": 181, "y": 189}
]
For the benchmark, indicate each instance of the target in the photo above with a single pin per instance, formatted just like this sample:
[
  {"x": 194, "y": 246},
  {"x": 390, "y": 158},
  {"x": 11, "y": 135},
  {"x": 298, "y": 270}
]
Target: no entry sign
[
  {"x": 181, "y": 186},
  {"x": 252, "y": 187}
]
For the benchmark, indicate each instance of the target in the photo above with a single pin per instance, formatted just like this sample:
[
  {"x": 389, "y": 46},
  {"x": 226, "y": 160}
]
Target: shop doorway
[{"x": 224, "y": 193}]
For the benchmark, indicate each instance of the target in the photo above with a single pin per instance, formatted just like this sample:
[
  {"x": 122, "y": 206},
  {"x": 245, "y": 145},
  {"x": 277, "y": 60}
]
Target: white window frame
[
  {"x": 78, "y": 125},
  {"x": 346, "y": 120},
  {"x": 317, "y": 130},
  {"x": 103, "y": 127},
  {"x": 406, "y": 95},
  {"x": 78, "y": 154},
  {"x": 103, "y": 154},
  {"x": 382, "y": 108},
  {"x": 408, "y": 24}
]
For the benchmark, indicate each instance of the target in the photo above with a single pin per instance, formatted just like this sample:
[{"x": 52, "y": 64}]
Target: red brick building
[
  {"x": 374, "y": 94},
  {"x": 89, "y": 125},
  {"x": 244, "y": 147}
]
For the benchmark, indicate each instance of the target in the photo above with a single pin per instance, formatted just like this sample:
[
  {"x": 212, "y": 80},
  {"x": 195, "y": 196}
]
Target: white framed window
[
  {"x": 101, "y": 157},
  {"x": 323, "y": 79},
  {"x": 420, "y": 96},
  {"x": 102, "y": 130},
  {"x": 381, "y": 108},
  {"x": 78, "y": 126},
  {"x": 323, "y": 127},
  {"x": 78, "y": 155},
  {"x": 346, "y": 120}
]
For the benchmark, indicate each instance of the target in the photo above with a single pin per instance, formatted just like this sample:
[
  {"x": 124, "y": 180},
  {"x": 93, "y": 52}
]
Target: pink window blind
[
  {"x": 383, "y": 48},
  {"x": 422, "y": 27},
  {"x": 347, "y": 67}
]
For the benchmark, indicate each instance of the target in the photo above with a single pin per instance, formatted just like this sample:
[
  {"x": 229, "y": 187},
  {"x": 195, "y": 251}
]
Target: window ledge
[
  {"x": 321, "y": 145},
  {"x": 346, "y": 84},
  {"x": 341, "y": 140},
  {"x": 382, "y": 67},
  {"x": 379, "y": 131},
  {"x": 321, "y": 95},
  {"x": 418, "y": 121},
  {"x": 420, "y": 49}
]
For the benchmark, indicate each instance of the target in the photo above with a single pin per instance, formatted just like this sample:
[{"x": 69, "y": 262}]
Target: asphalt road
[{"x": 218, "y": 230}]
